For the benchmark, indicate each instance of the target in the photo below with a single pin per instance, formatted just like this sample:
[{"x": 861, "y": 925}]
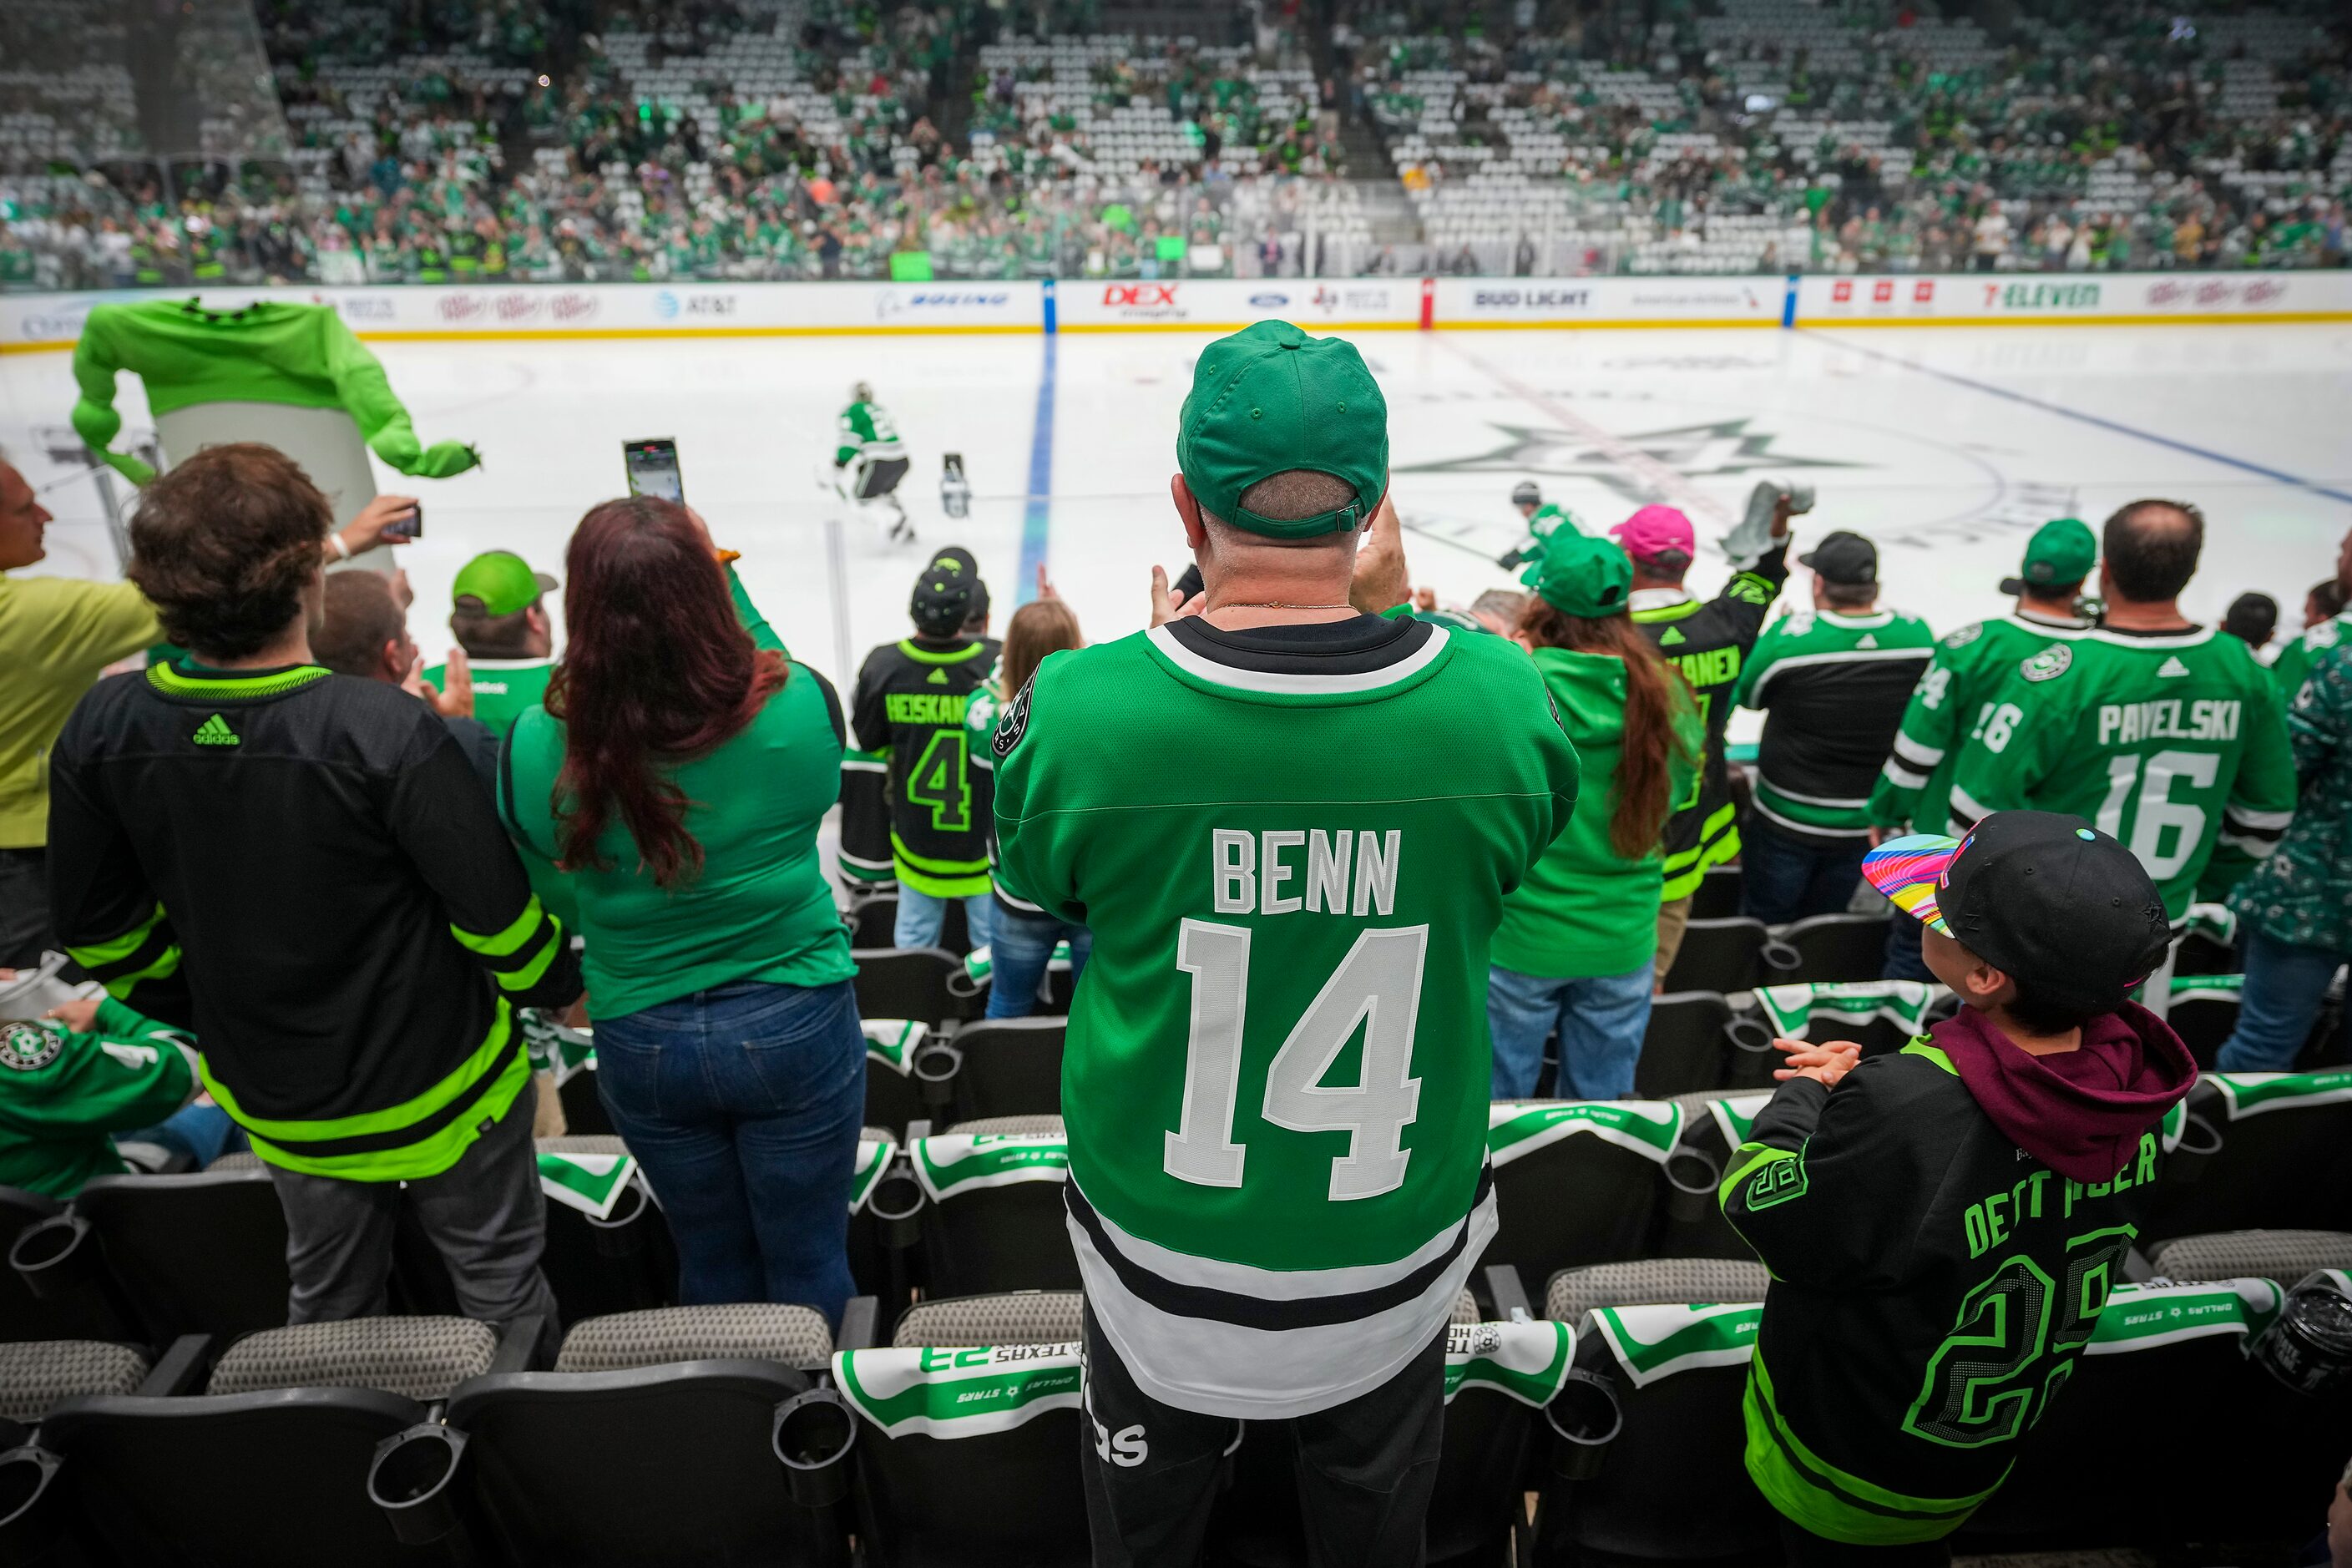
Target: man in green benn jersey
[
  {"x": 1914, "y": 785},
  {"x": 1277, "y": 1071},
  {"x": 500, "y": 621},
  {"x": 2166, "y": 734}
]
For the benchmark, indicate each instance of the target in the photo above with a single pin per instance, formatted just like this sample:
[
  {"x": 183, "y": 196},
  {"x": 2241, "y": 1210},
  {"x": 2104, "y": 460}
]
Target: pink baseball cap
[{"x": 1655, "y": 529}]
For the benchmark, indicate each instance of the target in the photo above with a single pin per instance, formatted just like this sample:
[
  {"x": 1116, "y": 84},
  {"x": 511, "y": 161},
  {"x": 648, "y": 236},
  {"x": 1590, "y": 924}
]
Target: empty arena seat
[
  {"x": 874, "y": 922},
  {"x": 968, "y": 1436},
  {"x": 994, "y": 1219},
  {"x": 1008, "y": 1066},
  {"x": 1837, "y": 947},
  {"x": 1687, "y": 1045},
  {"x": 1714, "y": 1125},
  {"x": 609, "y": 1248},
  {"x": 1672, "y": 1336},
  {"x": 36, "y": 1374},
  {"x": 204, "y": 1253},
  {"x": 59, "y": 1287},
  {"x": 2167, "y": 1364},
  {"x": 1576, "y": 1181},
  {"x": 907, "y": 1071},
  {"x": 2285, "y": 1160},
  {"x": 1730, "y": 954},
  {"x": 275, "y": 1457},
  {"x": 2203, "y": 1011},
  {"x": 1717, "y": 896},
  {"x": 658, "y": 1439},
  {"x": 2284, "y": 1255},
  {"x": 914, "y": 983},
  {"x": 877, "y": 1246}
]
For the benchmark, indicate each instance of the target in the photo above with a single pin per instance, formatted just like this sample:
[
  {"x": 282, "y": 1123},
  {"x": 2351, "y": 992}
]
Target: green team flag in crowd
[
  {"x": 302, "y": 355},
  {"x": 590, "y": 1183},
  {"x": 892, "y": 1042},
  {"x": 1517, "y": 1127},
  {"x": 1847, "y": 1004},
  {"x": 949, "y": 1164}
]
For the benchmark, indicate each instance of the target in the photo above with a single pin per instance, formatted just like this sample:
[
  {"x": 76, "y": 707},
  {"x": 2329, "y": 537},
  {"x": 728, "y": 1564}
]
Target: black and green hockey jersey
[
  {"x": 1276, "y": 1078},
  {"x": 304, "y": 870},
  {"x": 1914, "y": 789},
  {"x": 1932, "y": 1284},
  {"x": 1708, "y": 642},
  {"x": 866, "y": 430},
  {"x": 910, "y": 705},
  {"x": 863, "y": 857},
  {"x": 62, "y": 1091},
  {"x": 1834, "y": 687},
  {"x": 2175, "y": 743}
]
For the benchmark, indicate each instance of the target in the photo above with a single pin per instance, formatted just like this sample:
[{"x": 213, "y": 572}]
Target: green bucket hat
[
  {"x": 1270, "y": 399},
  {"x": 2060, "y": 551},
  {"x": 1581, "y": 576}
]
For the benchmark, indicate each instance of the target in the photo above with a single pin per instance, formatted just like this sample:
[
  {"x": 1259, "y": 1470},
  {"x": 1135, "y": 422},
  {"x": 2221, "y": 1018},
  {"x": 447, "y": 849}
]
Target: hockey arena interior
[{"x": 1354, "y": 784}]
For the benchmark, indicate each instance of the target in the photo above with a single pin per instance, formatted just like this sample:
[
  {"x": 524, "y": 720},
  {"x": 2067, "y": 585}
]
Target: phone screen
[{"x": 652, "y": 466}]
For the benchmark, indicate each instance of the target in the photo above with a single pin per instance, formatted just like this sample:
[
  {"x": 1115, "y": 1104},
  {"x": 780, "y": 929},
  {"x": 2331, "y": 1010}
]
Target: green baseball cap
[
  {"x": 499, "y": 583},
  {"x": 1270, "y": 399},
  {"x": 1581, "y": 576},
  {"x": 2060, "y": 551}
]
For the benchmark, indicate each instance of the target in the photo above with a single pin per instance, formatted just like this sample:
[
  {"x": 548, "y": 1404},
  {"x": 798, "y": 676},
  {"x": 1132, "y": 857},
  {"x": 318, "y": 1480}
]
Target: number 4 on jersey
[
  {"x": 1378, "y": 984},
  {"x": 938, "y": 781}
]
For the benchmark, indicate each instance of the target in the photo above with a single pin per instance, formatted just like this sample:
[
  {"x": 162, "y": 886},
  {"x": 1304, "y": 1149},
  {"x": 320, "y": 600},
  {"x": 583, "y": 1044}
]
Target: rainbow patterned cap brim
[{"x": 1910, "y": 870}]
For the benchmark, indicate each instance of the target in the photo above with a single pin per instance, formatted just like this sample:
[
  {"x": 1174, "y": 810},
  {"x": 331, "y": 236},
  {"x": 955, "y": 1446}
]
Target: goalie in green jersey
[
  {"x": 2164, "y": 734},
  {"x": 870, "y": 460},
  {"x": 1275, "y": 1075}
]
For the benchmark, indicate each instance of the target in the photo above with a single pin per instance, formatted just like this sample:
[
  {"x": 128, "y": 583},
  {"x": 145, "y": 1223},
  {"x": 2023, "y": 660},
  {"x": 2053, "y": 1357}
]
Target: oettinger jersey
[
  {"x": 2175, "y": 743},
  {"x": 1932, "y": 1285},
  {"x": 866, "y": 430},
  {"x": 62, "y": 1092},
  {"x": 1708, "y": 643},
  {"x": 200, "y": 819},
  {"x": 910, "y": 702},
  {"x": 1276, "y": 1078},
  {"x": 1916, "y": 785},
  {"x": 1835, "y": 687}
]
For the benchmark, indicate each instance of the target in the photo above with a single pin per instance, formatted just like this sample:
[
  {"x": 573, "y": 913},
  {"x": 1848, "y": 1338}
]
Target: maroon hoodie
[{"x": 2080, "y": 1113}]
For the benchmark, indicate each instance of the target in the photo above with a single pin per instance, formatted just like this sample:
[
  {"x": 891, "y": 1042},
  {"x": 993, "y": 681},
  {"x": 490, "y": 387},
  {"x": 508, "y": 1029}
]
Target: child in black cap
[{"x": 1943, "y": 1223}]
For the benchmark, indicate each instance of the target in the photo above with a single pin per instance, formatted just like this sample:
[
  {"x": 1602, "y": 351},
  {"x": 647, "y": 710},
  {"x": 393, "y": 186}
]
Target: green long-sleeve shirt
[{"x": 62, "y": 1092}]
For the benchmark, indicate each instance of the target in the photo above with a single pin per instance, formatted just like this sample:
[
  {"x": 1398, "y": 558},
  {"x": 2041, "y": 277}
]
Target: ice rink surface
[{"x": 1947, "y": 445}]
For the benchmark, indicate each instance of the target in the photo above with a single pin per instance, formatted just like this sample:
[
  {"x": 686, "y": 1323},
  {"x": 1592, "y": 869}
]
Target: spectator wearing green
[
  {"x": 500, "y": 621},
  {"x": 1577, "y": 951},
  {"x": 92, "y": 1067}
]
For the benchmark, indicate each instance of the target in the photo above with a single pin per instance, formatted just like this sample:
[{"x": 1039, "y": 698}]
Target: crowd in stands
[{"x": 522, "y": 141}]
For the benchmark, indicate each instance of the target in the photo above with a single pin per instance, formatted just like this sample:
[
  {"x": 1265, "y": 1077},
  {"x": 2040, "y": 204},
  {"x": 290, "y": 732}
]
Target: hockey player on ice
[{"x": 869, "y": 461}]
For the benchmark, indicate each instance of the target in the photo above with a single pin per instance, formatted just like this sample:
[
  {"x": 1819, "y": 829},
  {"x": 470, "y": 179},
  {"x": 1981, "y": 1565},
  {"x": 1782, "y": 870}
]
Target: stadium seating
[
  {"x": 1717, "y": 897},
  {"x": 35, "y": 1374},
  {"x": 274, "y": 1458},
  {"x": 1835, "y": 948},
  {"x": 204, "y": 1253},
  {"x": 1715, "y": 1123},
  {"x": 1007, "y": 1066},
  {"x": 937, "y": 1491},
  {"x": 1576, "y": 1182},
  {"x": 993, "y": 1220},
  {"x": 1689, "y": 1045},
  {"x": 625, "y": 1260},
  {"x": 2285, "y": 1256},
  {"x": 57, "y": 1287},
  {"x": 925, "y": 984},
  {"x": 2285, "y": 1159},
  {"x": 665, "y": 1437},
  {"x": 1682, "y": 1435},
  {"x": 1732, "y": 954}
]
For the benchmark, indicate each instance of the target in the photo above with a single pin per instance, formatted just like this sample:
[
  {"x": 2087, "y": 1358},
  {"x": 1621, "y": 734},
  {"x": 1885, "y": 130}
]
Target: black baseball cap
[
  {"x": 948, "y": 593},
  {"x": 1843, "y": 558},
  {"x": 2043, "y": 897}
]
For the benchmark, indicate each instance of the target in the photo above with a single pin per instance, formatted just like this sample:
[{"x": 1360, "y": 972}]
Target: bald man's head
[{"x": 2150, "y": 550}]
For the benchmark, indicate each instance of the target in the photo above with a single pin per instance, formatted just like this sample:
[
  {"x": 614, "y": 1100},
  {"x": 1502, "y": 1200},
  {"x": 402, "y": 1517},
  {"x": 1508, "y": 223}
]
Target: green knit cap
[{"x": 1270, "y": 399}]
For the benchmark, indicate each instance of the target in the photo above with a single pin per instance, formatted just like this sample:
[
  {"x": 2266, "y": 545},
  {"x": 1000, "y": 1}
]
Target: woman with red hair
[{"x": 678, "y": 771}]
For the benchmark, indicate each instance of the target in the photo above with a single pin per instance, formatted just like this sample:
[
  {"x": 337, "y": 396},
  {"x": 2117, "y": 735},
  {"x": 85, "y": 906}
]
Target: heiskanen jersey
[
  {"x": 2295, "y": 659},
  {"x": 1708, "y": 643},
  {"x": 2175, "y": 743},
  {"x": 1915, "y": 785},
  {"x": 910, "y": 702},
  {"x": 866, "y": 430},
  {"x": 1932, "y": 1285},
  {"x": 504, "y": 689},
  {"x": 1270, "y": 1217},
  {"x": 1835, "y": 687}
]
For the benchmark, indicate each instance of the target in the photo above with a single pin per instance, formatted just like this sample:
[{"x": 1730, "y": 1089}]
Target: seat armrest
[
  {"x": 180, "y": 1369},
  {"x": 1503, "y": 1284},
  {"x": 859, "y": 1322},
  {"x": 518, "y": 1343}
]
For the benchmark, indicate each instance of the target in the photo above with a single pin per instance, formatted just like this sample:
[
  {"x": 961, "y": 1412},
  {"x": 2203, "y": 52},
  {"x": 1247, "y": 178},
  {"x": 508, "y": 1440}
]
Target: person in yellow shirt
[{"x": 57, "y": 634}]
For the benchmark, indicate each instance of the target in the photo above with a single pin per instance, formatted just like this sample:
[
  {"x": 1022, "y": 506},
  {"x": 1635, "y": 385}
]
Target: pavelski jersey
[
  {"x": 2175, "y": 743},
  {"x": 1834, "y": 687},
  {"x": 1276, "y": 1077},
  {"x": 1915, "y": 786},
  {"x": 62, "y": 1091},
  {"x": 1932, "y": 1285},
  {"x": 909, "y": 703},
  {"x": 2295, "y": 659},
  {"x": 1708, "y": 642},
  {"x": 867, "y": 431}
]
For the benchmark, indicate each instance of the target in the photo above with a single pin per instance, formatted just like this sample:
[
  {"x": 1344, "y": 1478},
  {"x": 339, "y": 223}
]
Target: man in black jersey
[
  {"x": 1943, "y": 1223},
  {"x": 302, "y": 869},
  {"x": 908, "y": 714},
  {"x": 1708, "y": 643}
]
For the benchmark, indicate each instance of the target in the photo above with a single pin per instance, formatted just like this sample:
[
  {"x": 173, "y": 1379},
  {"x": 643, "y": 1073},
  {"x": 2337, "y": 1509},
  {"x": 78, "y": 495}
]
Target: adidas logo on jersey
[
  {"x": 1869, "y": 639},
  {"x": 215, "y": 731},
  {"x": 2172, "y": 667},
  {"x": 935, "y": 678},
  {"x": 1672, "y": 635}
]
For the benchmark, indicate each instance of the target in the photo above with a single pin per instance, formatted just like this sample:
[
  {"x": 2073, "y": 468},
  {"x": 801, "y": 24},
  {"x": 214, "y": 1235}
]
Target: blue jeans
[
  {"x": 743, "y": 1103},
  {"x": 1600, "y": 1020},
  {"x": 1019, "y": 948},
  {"x": 1785, "y": 876},
  {"x": 2284, "y": 985},
  {"x": 203, "y": 1133},
  {"x": 922, "y": 916}
]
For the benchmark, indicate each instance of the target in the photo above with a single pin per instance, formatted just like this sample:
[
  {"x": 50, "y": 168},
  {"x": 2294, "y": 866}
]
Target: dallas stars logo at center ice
[{"x": 1720, "y": 447}]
